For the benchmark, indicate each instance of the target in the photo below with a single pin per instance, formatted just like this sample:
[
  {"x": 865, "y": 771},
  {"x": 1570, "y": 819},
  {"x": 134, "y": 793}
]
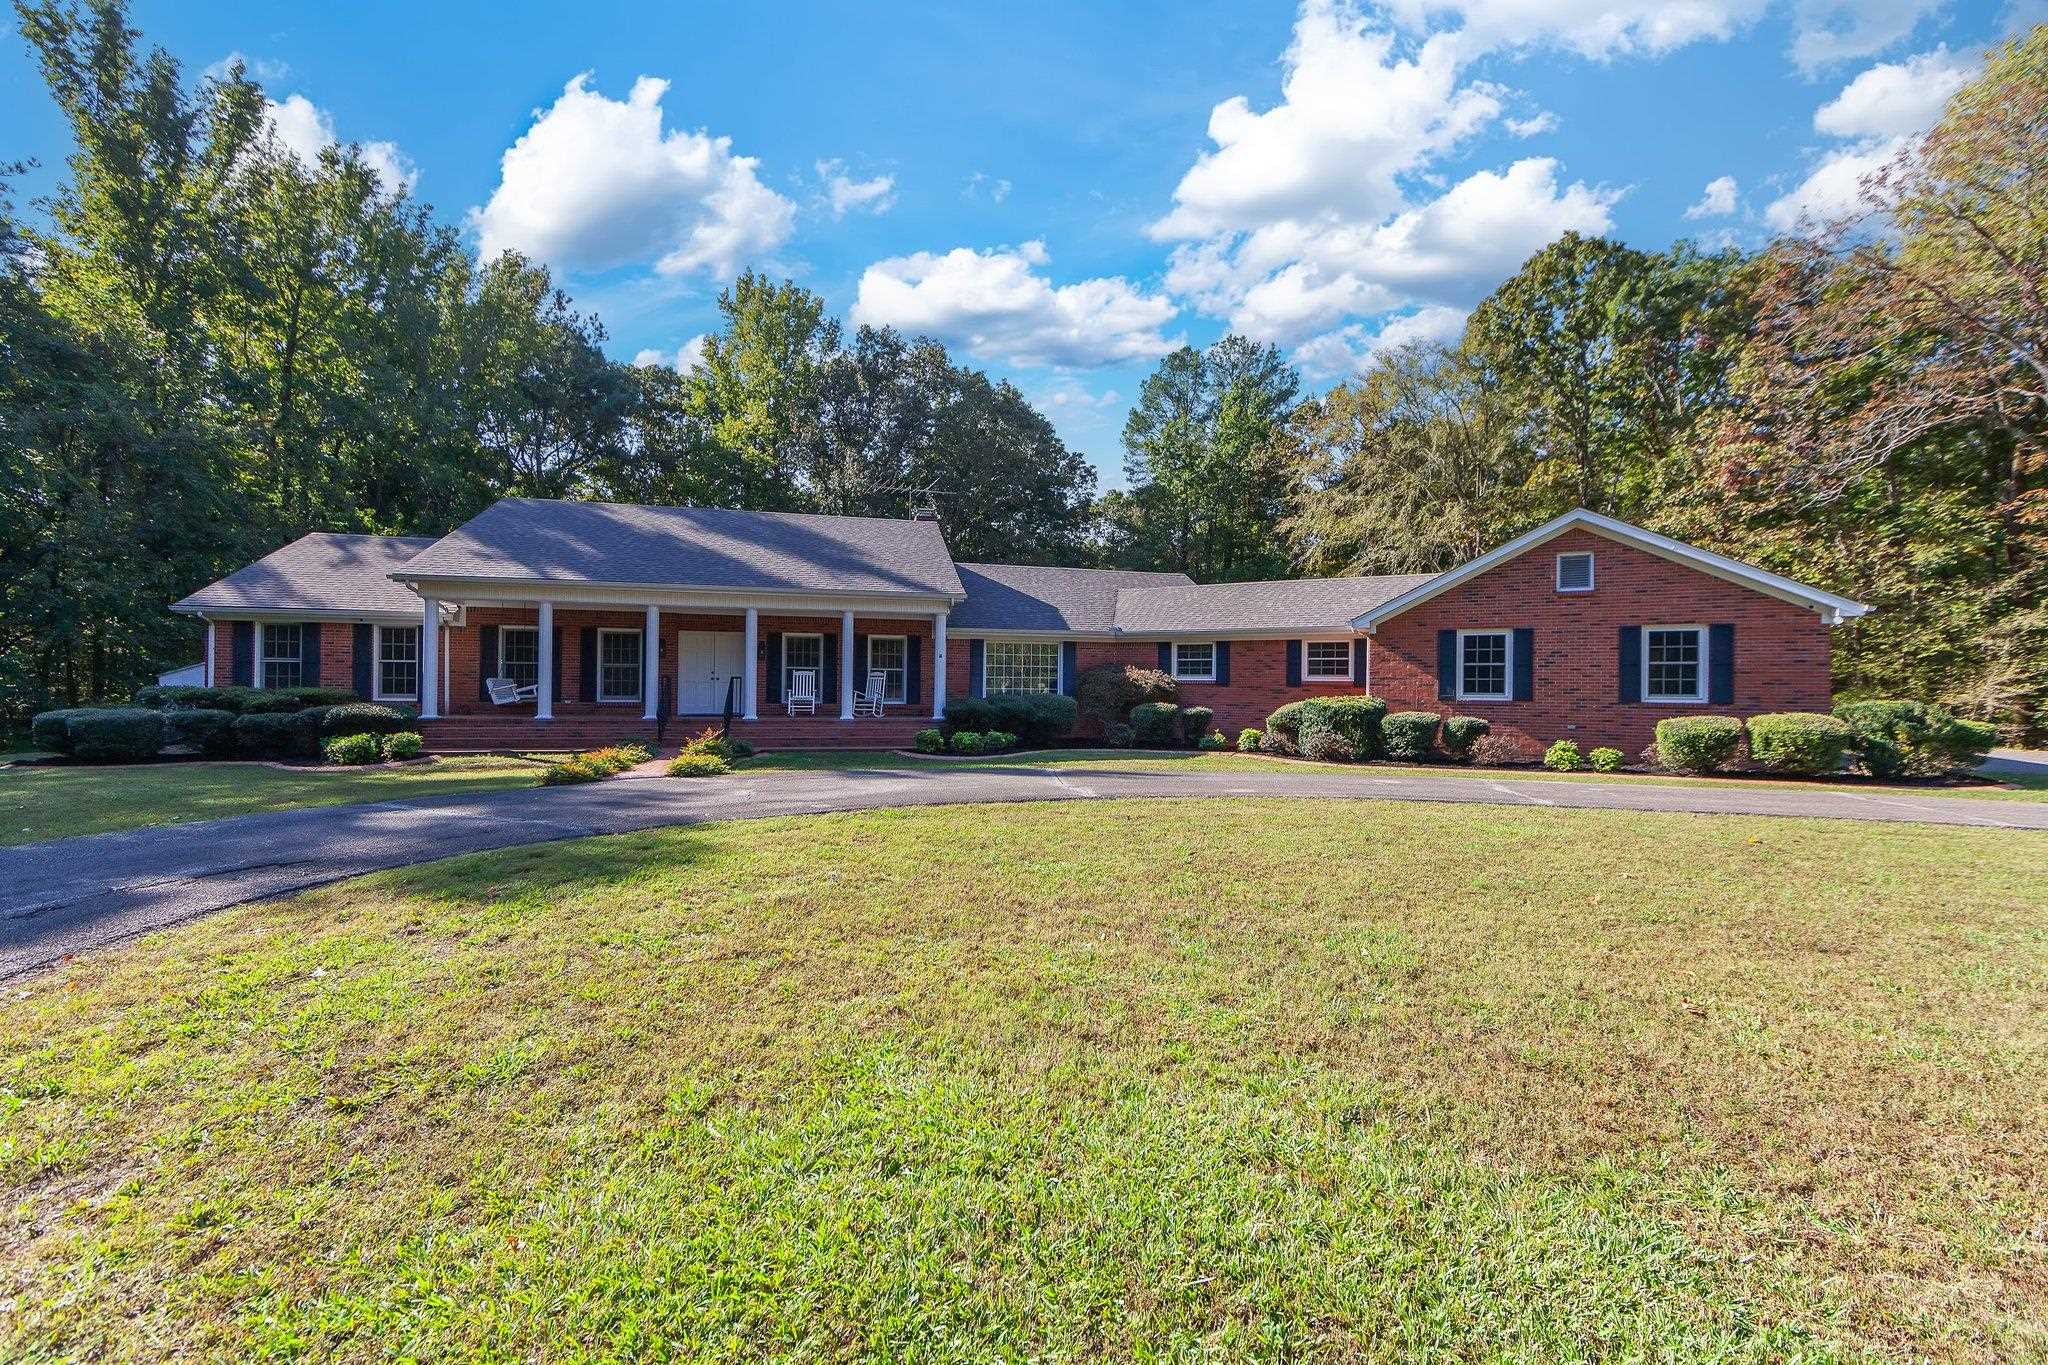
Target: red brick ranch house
[{"x": 543, "y": 624}]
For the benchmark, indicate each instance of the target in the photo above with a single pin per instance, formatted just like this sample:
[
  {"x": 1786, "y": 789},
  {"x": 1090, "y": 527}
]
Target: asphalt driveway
[{"x": 68, "y": 895}]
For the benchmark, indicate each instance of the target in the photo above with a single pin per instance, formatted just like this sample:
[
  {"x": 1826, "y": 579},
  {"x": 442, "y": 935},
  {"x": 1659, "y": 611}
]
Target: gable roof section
[
  {"x": 543, "y": 540},
  {"x": 1278, "y": 606},
  {"x": 320, "y": 573},
  {"x": 1832, "y": 608},
  {"x": 1030, "y": 597}
]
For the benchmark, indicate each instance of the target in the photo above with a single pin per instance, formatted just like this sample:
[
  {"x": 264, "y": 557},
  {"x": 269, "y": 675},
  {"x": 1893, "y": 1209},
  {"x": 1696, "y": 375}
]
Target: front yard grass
[
  {"x": 1257, "y": 1079},
  {"x": 50, "y": 802},
  {"x": 2009, "y": 788}
]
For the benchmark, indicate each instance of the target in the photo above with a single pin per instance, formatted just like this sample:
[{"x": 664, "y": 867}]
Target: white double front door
[{"x": 706, "y": 661}]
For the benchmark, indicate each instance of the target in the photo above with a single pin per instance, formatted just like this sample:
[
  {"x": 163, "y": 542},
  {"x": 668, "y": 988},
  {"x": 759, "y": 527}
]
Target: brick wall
[
  {"x": 337, "y": 652},
  {"x": 1781, "y": 650}
]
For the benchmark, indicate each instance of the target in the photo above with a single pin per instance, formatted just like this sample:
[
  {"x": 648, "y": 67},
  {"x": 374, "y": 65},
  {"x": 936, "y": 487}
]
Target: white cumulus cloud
[
  {"x": 1529, "y": 127},
  {"x": 1828, "y": 31},
  {"x": 1350, "y": 350},
  {"x": 1591, "y": 28},
  {"x": 305, "y": 130},
  {"x": 259, "y": 69},
  {"x": 999, "y": 305},
  {"x": 688, "y": 358},
  {"x": 842, "y": 192},
  {"x": 1716, "y": 201},
  {"x": 599, "y": 183}
]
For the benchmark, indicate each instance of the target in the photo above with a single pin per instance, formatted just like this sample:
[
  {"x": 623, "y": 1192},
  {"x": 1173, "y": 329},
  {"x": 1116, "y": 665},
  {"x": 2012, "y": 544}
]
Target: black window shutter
[
  {"x": 1294, "y": 663},
  {"x": 1223, "y": 663},
  {"x": 362, "y": 644},
  {"x": 586, "y": 658},
  {"x": 309, "y": 654},
  {"x": 1165, "y": 657},
  {"x": 828, "y": 678},
  {"x": 1525, "y": 663},
  {"x": 976, "y": 673},
  {"x": 861, "y": 667},
  {"x": 1447, "y": 665},
  {"x": 486, "y": 660},
  {"x": 243, "y": 667},
  {"x": 1628, "y": 664},
  {"x": 775, "y": 668},
  {"x": 1070, "y": 666},
  {"x": 1359, "y": 671},
  {"x": 1721, "y": 665},
  {"x": 913, "y": 670},
  {"x": 555, "y": 653}
]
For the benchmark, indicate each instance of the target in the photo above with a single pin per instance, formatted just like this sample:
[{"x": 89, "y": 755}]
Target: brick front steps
[{"x": 472, "y": 734}]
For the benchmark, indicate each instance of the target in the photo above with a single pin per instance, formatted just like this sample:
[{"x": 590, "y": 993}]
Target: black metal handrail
[{"x": 732, "y": 687}]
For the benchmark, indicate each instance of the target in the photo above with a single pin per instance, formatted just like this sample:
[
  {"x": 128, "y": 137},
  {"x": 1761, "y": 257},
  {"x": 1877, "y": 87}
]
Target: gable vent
[{"x": 1575, "y": 571}]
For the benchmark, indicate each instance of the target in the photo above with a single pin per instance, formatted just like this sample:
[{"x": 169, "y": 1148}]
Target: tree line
[{"x": 212, "y": 347}]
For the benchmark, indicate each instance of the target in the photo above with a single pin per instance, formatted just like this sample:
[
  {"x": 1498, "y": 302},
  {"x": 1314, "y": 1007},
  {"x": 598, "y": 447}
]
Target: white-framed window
[
  {"x": 519, "y": 654},
  {"x": 889, "y": 656},
  {"x": 618, "y": 665},
  {"x": 398, "y": 663},
  {"x": 1674, "y": 663},
  {"x": 1575, "y": 571},
  {"x": 1194, "y": 660},
  {"x": 1326, "y": 661},
  {"x": 1486, "y": 665},
  {"x": 1020, "y": 666},
  {"x": 284, "y": 660},
  {"x": 803, "y": 654}
]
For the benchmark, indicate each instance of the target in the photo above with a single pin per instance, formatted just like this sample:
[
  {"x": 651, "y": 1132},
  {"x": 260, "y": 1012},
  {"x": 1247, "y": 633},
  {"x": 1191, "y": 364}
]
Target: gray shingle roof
[
  {"x": 1305, "y": 604},
  {"x": 698, "y": 547},
  {"x": 319, "y": 572},
  {"x": 1030, "y": 597}
]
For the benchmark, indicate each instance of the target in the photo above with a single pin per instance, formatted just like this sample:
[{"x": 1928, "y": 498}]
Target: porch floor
[{"x": 516, "y": 730}]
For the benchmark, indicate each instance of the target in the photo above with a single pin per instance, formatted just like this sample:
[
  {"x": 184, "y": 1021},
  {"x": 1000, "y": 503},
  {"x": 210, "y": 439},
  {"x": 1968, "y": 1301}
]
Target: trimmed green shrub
[
  {"x": 1356, "y": 718},
  {"x": 1248, "y": 740},
  {"x": 404, "y": 744},
  {"x": 969, "y": 713},
  {"x": 354, "y": 749},
  {"x": 209, "y": 731},
  {"x": 995, "y": 741},
  {"x": 1213, "y": 741},
  {"x": 1799, "y": 742},
  {"x": 1155, "y": 725},
  {"x": 1698, "y": 744},
  {"x": 698, "y": 764},
  {"x": 50, "y": 729},
  {"x": 1506, "y": 751},
  {"x": 200, "y": 698},
  {"x": 618, "y": 757},
  {"x": 317, "y": 696},
  {"x": 930, "y": 741},
  {"x": 1563, "y": 757},
  {"x": 1118, "y": 735},
  {"x": 570, "y": 771},
  {"x": 1036, "y": 718},
  {"x": 268, "y": 702},
  {"x": 1605, "y": 759},
  {"x": 966, "y": 742},
  {"x": 710, "y": 740},
  {"x": 1324, "y": 745},
  {"x": 1106, "y": 693},
  {"x": 1460, "y": 733},
  {"x": 1194, "y": 723},
  {"x": 366, "y": 718},
  {"x": 265, "y": 734},
  {"x": 1896, "y": 738},
  {"x": 1409, "y": 735},
  {"x": 115, "y": 734}
]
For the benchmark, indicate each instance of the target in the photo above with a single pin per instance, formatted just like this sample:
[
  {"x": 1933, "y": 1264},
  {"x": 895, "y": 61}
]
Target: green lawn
[
  {"x": 1123, "y": 760},
  {"x": 51, "y": 802},
  {"x": 1265, "y": 1079}
]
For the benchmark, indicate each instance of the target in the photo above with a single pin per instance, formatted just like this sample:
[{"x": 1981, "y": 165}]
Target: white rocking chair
[
  {"x": 506, "y": 692},
  {"x": 803, "y": 692},
  {"x": 869, "y": 703}
]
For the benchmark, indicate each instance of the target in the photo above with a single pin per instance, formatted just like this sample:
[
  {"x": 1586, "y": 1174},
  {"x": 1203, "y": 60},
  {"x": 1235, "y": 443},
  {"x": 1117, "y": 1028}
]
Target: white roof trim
[{"x": 1833, "y": 609}]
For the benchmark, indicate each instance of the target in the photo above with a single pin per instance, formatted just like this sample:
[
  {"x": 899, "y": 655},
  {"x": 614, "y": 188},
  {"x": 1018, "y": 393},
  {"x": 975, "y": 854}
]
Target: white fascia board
[
  {"x": 1833, "y": 609},
  {"x": 525, "y": 592},
  {"x": 287, "y": 615}
]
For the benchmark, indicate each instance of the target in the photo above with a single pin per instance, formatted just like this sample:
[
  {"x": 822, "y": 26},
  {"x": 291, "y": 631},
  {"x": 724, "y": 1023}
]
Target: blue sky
[{"x": 1062, "y": 193}]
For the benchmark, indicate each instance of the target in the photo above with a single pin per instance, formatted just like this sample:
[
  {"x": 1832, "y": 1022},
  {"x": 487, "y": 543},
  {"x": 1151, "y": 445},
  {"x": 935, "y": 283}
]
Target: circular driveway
[{"x": 68, "y": 895}]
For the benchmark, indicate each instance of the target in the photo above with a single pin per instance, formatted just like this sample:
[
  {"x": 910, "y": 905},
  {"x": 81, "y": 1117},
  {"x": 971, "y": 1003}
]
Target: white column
[
  {"x": 939, "y": 666},
  {"x": 256, "y": 663},
  {"x": 430, "y": 659},
  {"x": 209, "y": 651},
  {"x": 650, "y": 663},
  {"x": 749, "y": 683},
  {"x": 846, "y": 665},
  {"x": 544, "y": 704}
]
